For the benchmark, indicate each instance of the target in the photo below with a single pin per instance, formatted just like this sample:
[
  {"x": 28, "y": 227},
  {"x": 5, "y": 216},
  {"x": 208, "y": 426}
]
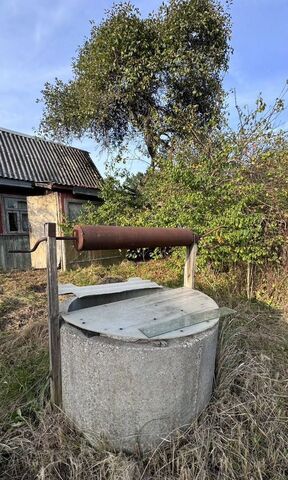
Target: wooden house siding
[
  {"x": 10, "y": 261},
  {"x": 48, "y": 181}
]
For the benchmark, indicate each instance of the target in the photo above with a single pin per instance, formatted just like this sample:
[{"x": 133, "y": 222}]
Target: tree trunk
[{"x": 151, "y": 140}]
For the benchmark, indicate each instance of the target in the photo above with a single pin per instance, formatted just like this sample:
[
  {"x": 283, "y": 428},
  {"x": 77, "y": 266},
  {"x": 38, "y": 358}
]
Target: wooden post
[
  {"x": 190, "y": 266},
  {"x": 53, "y": 315}
]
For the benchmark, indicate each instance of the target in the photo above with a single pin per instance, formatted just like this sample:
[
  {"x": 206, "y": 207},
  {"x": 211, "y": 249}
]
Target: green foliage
[
  {"x": 158, "y": 78},
  {"x": 232, "y": 190}
]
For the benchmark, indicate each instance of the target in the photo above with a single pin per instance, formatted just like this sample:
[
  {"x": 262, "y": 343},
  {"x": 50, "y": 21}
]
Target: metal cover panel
[
  {"x": 106, "y": 288},
  {"x": 167, "y": 326},
  {"x": 188, "y": 320},
  {"x": 128, "y": 318}
]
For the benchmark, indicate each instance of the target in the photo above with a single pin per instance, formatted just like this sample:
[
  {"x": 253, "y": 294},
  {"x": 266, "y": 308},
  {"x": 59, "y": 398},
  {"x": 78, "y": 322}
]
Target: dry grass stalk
[{"x": 243, "y": 434}]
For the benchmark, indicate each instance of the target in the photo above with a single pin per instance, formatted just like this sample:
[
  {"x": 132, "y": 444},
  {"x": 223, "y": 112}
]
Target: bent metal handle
[{"x": 100, "y": 237}]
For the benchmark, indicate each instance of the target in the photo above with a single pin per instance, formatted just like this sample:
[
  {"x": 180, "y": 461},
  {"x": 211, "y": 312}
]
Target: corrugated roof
[{"x": 23, "y": 157}]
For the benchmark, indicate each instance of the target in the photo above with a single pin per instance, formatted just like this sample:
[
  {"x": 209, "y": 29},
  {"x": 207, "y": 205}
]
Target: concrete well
[{"x": 132, "y": 391}]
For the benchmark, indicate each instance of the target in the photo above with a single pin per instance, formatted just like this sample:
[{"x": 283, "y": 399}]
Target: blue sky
[{"x": 38, "y": 38}]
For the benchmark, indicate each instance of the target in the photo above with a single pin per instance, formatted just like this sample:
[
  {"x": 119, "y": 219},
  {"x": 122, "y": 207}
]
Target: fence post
[
  {"x": 53, "y": 315},
  {"x": 190, "y": 265}
]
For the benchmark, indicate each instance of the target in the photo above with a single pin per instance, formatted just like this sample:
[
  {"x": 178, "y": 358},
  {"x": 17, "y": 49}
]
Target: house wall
[
  {"x": 70, "y": 258},
  {"x": 73, "y": 259},
  {"x": 1, "y": 216},
  {"x": 42, "y": 209},
  {"x": 12, "y": 241},
  {"x": 54, "y": 207},
  {"x": 14, "y": 261},
  {"x": 47, "y": 207}
]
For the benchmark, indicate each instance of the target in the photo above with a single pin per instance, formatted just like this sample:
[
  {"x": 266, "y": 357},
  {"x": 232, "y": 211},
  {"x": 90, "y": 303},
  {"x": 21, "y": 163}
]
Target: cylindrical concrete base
[{"x": 135, "y": 393}]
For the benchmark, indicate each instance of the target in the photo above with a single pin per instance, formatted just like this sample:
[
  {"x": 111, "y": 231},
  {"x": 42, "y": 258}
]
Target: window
[
  {"x": 74, "y": 210},
  {"x": 16, "y": 215}
]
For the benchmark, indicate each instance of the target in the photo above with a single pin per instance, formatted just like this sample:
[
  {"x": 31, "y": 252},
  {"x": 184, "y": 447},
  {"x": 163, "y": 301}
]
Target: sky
[{"x": 38, "y": 39}]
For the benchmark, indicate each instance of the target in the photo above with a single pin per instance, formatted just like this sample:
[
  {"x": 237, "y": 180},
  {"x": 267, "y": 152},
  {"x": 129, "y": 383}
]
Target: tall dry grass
[{"x": 242, "y": 434}]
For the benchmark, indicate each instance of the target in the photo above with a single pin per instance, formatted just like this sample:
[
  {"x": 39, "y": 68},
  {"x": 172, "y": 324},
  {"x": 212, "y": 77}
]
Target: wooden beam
[
  {"x": 190, "y": 266},
  {"x": 53, "y": 315}
]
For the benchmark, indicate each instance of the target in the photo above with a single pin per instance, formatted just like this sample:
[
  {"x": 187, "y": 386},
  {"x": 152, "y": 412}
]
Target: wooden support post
[
  {"x": 190, "y": 266},
  {"x": 53, "y": 315}
]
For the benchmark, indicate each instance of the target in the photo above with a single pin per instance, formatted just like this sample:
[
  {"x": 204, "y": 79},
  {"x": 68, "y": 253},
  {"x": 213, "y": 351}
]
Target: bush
[{"x": 231, "y": 189}]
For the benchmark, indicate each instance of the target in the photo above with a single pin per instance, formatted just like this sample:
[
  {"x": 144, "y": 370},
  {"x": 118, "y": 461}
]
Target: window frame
[
  {"x": 18, "y": 211},
  {"x": 74, "y": 201},
  {"x": 78, "y": 201}
]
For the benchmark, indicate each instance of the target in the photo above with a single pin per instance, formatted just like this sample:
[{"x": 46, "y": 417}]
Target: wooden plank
[
  {"x": 53, "y": 315},
  {"x": 190, "y": 266},
  {"x": 14, "y": 261}
]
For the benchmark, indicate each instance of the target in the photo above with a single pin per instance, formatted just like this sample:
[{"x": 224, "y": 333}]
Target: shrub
[{"x": 231, "y": 189}]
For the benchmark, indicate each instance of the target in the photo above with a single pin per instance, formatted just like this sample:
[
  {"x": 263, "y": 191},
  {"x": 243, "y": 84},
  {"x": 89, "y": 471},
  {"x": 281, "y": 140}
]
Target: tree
[
  {"x": 158, "y": 78},
  {"x": 233, "y": 192}
]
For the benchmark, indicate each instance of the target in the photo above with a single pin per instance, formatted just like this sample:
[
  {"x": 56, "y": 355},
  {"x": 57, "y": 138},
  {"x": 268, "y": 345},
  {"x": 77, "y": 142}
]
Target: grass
[{"x": 242, "y": 434}]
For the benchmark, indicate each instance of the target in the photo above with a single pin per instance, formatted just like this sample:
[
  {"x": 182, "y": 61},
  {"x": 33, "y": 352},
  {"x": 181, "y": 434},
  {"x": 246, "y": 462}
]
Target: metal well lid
[
  {"x": 166, "y": 314},
  {"x": 135, "y": 283}
]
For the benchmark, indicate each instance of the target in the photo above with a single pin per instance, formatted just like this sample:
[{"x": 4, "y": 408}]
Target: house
[{"x": 41, "y": 181}]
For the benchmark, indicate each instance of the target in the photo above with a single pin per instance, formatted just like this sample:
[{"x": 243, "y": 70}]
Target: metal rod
[
  {"x": 53, "y": 315},
  {"x": 66, "y": 238},
  {"x": 42, "y": 239}
]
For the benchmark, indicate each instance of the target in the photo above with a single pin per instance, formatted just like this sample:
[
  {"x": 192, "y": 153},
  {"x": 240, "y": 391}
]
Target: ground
[{"x": 243, "y": 434}]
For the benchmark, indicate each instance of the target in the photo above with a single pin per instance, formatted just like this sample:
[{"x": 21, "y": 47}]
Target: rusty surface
[{"x": 102, "y": 237}]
